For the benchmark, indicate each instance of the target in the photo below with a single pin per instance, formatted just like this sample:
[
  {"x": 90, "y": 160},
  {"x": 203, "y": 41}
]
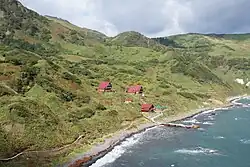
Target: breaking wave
[
  {"x": 211, "y": 118},
  {"x": 237, "y": 119},
  {"x": 120, "y": 149},
  {"x": 245, "y": 141},
  {"x": 130, "y": 142},
  {"x": 208, "y": 123},
  {"x": 198, "y": 151},
  {"x": 219, "y": 137},
  {"x": 208, "y": 111},
  {"x": 191, "y": 121},
  {"x": 117, "y": 151}
]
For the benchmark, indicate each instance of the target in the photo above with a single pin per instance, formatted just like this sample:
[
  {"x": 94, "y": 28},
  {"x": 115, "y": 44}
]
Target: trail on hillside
[{"x": 47, "y": 152}]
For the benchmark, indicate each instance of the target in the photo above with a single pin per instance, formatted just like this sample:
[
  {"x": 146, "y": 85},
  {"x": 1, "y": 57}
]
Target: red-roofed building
[
  {"x": 105, "y": 86},
  {"x": 147, "y": 107},
  {"x": 135, "y": 89}
]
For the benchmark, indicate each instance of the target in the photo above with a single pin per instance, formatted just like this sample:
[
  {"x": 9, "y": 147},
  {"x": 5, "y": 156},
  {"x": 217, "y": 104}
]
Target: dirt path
[
  {"x": 44, "y": 152},
  {"x": 143, "y": 102},
  {"x": 153, "y": 119},
  {"x": 54, "y": 151},
  {"x": 9, "y": 88}
]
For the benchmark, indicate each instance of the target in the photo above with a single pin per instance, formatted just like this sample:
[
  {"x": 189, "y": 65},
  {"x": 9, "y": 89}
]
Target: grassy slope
[
  {"x": 132, "y": 38},
  {"x": 48, "y": 91}
]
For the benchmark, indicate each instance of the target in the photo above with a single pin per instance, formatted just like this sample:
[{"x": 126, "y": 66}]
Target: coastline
[{"x": 100, "y": 150}]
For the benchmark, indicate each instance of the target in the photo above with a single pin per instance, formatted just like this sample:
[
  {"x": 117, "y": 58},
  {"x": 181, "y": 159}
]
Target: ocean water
[{"x": 222, "y": 141}]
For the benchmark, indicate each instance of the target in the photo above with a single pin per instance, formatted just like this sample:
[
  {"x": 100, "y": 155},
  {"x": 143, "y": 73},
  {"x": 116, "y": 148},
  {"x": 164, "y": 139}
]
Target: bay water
[{"x": 222, "y": 141}]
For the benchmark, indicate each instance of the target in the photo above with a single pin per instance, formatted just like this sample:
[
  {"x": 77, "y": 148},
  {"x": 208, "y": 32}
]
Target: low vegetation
[{"x": 50, "y": 69}]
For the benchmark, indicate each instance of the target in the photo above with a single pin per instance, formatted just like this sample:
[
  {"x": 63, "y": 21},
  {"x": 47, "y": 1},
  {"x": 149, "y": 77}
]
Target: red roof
[
  {"x": 103, "y": 85},
  {"x": 134, "y": 89},
  {"x": 147, "y": 107}
]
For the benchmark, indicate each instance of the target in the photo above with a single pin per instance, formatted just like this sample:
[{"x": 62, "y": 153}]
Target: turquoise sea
[{"x": 222, "y": 141}]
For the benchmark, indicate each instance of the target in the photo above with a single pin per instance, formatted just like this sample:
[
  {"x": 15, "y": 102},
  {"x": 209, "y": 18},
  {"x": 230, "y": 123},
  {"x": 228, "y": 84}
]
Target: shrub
[
  {"x": 67, "y": 96},
  {"x": 79, "y": 70},
  {"x": 47, "y": 83},
  {"x": 3, "y": 92},
  {"x": 81, "y": 114},
  {"x": 16, "y": 57},
  {"x": 165, "y": 93},
  {"x": 100, "y": 107},
  {"x": 188, "y": 95},
  {"x": 112, "y": 113},
  {"x": 61, "y": 36},
  {"x": 164, "y": 85},
  {"x": 73, "y": 78},
  {"x": 26, "y": 79},
  {"x": 53, "y": 65},
  {"x": 202, "y": 95},
  {"x": 83, "y": 99},
  {"x": 32, "y": 111}
]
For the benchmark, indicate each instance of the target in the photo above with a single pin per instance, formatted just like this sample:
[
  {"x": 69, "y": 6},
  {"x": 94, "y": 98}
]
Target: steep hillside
[
  {"x": 85, "y": 33},
  {"x": 50, "y": 69},
  {"x": 241, "y": 37},
  {"x": 228, "y": 54},
  {"x": 17, "y": 20},
  {"x": 24, "y": 25},
  {"x": 132, "y": 38}
]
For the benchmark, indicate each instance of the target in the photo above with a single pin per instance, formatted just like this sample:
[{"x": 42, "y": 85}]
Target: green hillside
[
  {"x": 132, "y": 38},
  {"x": 50, "y": 69},
  {"x": 87, "y": 34}
]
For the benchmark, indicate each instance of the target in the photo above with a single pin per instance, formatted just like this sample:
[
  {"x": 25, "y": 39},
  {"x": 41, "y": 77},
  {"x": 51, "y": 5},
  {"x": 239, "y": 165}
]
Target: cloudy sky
[{"x": 150, "y": 17}]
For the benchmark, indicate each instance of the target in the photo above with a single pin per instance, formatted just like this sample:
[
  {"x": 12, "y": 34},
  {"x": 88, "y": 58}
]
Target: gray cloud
[
  {"x": 226, "y": 17},
  {"x": 151, "y": 17},
  {"x": 134, "y": 15}
]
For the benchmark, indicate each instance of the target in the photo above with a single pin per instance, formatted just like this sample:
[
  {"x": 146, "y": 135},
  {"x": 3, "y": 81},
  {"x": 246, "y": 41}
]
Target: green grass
[{"x": 56, "y": 81}]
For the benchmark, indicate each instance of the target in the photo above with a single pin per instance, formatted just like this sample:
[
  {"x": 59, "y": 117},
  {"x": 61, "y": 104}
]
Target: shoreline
[{"x": 100, "y": 150}]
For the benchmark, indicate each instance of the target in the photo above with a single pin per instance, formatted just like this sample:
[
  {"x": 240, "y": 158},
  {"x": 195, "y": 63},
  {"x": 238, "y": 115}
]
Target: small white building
[
  {"x": 240, "y": 81},
  {"x": 248, "y": 84}
]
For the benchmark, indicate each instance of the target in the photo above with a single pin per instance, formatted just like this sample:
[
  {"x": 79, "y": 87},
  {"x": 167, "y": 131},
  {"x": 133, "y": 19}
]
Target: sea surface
[{"x": 222, "y": 141}]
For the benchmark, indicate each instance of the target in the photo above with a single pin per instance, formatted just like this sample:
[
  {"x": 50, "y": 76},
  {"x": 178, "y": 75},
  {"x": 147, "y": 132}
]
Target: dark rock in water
[{"x": 213, "y": 113}]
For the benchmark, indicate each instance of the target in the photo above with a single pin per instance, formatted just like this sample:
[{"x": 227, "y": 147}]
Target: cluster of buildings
[{"x": 136, "y": 89}]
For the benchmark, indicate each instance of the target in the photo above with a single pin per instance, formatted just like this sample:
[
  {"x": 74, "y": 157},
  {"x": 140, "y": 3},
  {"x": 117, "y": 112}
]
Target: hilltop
[
  {"x": 132, "y": 38},
  {"x": 50, "y": 69},
  {"x": 86, "y": 33}
]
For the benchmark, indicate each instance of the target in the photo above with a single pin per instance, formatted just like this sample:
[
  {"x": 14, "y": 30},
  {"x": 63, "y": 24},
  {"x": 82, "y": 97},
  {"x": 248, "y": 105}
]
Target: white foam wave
[
  {"x": 191, "y": 121},
  {"x": 211, "y": 118},
  {"x": 208, "y": 123},
  {"x": 148, "y": 129},
  {"x": 237, "y": 119},
  {"x": 224, "y": 108},
  {"x": 208, "y": 111},
  {"x": 235, "y": 102},
  {"x": 117, "y": 151},
  {"x": 196, "y": 116},
  {"x": 245, "y": 141},
  {"x": 197, "y": 150},
  {"x": 219, "y": 137}
]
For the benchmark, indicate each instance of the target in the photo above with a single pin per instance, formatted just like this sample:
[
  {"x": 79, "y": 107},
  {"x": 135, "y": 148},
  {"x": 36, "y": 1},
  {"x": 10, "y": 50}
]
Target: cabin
[
  {"x": 135, "y": 89},
  {"x": 104, "y": 86},
  {"x": 147, "y": 107}
]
